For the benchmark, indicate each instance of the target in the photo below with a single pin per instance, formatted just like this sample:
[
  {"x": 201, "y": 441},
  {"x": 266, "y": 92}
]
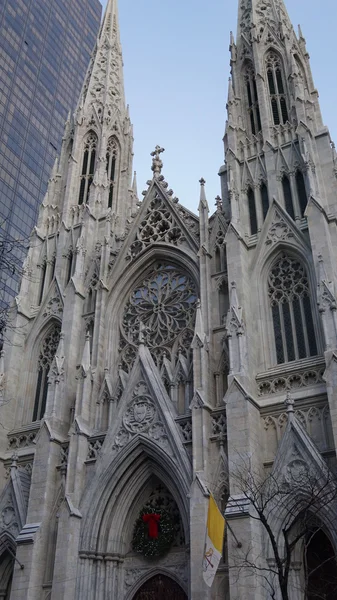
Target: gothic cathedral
[{"x": 154, "y": 351}]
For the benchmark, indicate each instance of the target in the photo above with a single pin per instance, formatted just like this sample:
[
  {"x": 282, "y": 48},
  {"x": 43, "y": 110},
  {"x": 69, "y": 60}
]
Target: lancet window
[
  {"x": 43, "y": 268},
  {"x": 70, "y": 265},
  {"x": 288, "y": 197},
  {"x": 252, "y": 99},
  {"x": 111, "y": 162},
  {"x": 264, "y": 200},
  {"x": 301, "y": 192},
  {"x": 276, "y": 88},
  {"x": 88, "y": 167},
  {"x": 252, "y": 211},
  {"x": 46, "y": 356},
  {"x": 90, "y": 302},
  {"x": 290, "y": 302}
]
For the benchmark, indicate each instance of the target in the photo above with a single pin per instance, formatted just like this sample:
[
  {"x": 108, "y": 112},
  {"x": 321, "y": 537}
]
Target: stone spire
[
  {"x": 255, "y": 14},
  {"x": 103, "y": 88}
]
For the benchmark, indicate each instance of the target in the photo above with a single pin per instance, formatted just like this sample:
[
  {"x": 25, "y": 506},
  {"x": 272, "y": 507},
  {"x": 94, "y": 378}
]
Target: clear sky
[{"x": 176, "y": 68}]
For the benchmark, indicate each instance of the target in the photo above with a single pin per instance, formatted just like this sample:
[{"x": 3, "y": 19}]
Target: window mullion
[
  {"x": 293, "y": 327},
  {"x": 283, "y": 333},
  {"x": 306, "y": 340}
]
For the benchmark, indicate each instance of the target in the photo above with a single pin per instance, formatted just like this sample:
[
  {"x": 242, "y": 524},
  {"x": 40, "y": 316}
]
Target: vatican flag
[{"x": 214, "y": 541}]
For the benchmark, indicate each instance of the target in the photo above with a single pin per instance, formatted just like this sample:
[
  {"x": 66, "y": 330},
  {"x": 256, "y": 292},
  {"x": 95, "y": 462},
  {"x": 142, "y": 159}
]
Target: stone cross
[{"x": 157, "y": 163}]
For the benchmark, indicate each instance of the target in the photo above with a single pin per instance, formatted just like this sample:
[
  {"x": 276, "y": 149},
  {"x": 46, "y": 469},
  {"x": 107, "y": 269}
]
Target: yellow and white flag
[{"x": 214, "y": 541}]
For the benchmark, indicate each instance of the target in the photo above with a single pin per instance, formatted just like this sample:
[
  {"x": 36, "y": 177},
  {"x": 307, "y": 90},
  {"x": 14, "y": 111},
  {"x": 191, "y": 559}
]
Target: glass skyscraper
[{"x": 45, "y": 46}]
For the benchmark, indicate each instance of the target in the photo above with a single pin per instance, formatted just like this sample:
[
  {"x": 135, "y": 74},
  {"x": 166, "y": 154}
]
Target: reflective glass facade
[{"x": 45, "y": 46}]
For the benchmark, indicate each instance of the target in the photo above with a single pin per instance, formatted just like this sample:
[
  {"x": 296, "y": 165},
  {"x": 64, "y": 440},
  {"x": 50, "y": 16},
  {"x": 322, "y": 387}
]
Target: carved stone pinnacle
[{"x": 289, "y": 402}]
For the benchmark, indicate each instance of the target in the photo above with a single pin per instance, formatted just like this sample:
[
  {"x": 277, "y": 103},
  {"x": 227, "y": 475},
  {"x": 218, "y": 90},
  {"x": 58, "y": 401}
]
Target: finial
[
  {"x": 157, "y": 163},
  {"x": 218, "y": 203},
  {"x": 289, "y": 402},
  {"x": 14, "y": 458},
  {"x": 203, "y": 200}
]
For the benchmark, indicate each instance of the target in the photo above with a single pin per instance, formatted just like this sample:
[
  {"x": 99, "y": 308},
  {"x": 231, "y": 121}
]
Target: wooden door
[{"x": 160, "y": 587}]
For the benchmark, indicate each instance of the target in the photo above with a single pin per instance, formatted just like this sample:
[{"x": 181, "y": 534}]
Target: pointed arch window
[
  {"x": 70, "y": 265},
  {"x": 88, "y": 167},
  {"x": 252, "y": 99},
  {"x": 42, "y": 281},
  {"x": 252, "y": 211},
  {"x": 288, "y": 197},
  {"x": 290, "y": 302},
  {"x": 301, "y": 192},
  {"x": 276, "y": 88},
  {"x": 90, "y": 302},
  {"x": 111, "y": 164},
  {"x": 264, "y": 200},
  {"x": 47, "y": 352}
]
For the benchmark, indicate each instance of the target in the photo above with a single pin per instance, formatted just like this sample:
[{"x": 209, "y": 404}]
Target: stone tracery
[
  {"x": 165, "y": 304},
  {"x": 158, "y": 225}
]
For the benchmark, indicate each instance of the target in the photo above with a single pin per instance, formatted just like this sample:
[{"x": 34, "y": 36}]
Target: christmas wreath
[{"x": 153, "y": 532}]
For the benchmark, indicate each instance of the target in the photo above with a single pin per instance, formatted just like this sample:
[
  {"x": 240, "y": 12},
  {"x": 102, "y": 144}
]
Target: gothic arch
[
  {"x": 134, "y": 274},
  {"x": 123, "y": 478},
  {"x": 149, "y": 575},
  {"x": 250, "y": 96},
  {"x": 325, "y": 521},
  {"x": 263, "y": 266},
  {"x": 33, "y": 350},
  {"x": 7, "y": 553},
  {"x": 277, "y": 87},
  {"x": 87, "y": 165},
  {"x": 113, "y": 161}
]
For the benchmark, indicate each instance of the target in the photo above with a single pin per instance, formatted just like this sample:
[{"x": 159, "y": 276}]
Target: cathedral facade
[{"x": 157, "y": 356}]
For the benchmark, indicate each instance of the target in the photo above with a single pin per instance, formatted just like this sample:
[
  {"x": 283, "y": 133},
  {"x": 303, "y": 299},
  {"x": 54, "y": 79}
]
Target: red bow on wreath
[{"x": 153, "y": 522}]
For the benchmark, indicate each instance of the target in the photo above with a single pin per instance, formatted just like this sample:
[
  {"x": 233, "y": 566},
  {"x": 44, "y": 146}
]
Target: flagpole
[{"x": 233, "y": 534}]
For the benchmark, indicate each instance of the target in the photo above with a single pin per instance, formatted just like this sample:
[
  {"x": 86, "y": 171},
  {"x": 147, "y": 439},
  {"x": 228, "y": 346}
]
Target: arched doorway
[
  {"x": 160, "y": 587},
  {"x": 6, "y": 575},
  {"x": 321, "y": 567}
]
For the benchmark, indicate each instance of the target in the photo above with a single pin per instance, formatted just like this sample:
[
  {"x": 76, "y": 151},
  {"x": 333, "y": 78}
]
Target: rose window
[{"x": 161, "y": 311}]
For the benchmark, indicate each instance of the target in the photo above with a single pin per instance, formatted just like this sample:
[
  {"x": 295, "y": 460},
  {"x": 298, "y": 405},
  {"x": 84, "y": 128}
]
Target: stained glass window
[{"x": 289, "y": 295}]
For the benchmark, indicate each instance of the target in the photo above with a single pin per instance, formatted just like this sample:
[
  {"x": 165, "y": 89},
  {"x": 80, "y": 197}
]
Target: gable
[
  {"x": 278, "y": 229},
  {"x": 160, "y": 220},
  {"x": 145, "y": 411}
]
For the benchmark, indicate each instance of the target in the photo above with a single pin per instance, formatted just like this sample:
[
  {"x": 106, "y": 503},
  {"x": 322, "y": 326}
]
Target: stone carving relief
[
  {"x": 49, "y": 347},
  {"x": 95, "y": 447},
  {"x": 246, "y": 16},
  {"x": 103, "y": 83},
  {"x": 315, "y": 420},
  {"x": 185, "y": 427},
  {"x": 131, "y": 576},
  {"x": 279, "y": 230},
  {"x": 141, "y": 416},
  {"x": 158, "y": 225},
  {"x": 53, "y": 307},
  {"x": 8, "y": 519},
  {"x": 299, "y": 379},
  {"x": 219, "y": 425},
  {"x": 190, "y": 221},
  {"x": 22, "y": 440}
]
